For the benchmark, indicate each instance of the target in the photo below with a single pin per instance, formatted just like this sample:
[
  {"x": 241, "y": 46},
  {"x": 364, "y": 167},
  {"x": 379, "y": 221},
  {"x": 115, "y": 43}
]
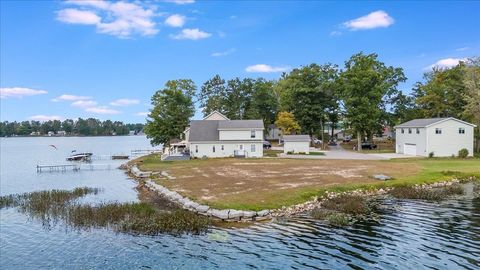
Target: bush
[
  {"x": 463, "y": 153},
  {"x": 431, "y": 154}
]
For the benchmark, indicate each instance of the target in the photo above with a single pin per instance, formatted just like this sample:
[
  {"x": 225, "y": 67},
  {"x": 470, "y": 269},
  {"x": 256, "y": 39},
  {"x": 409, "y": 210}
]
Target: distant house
[
  {"x": 61, "y": 133},
  {"x": 273, "y": 133},
  {"x": 441, "y": 136},
  {"x": 296, "y": 144},
  {"x": 218, "y": 136},
  {"x": 50, "y": 133}
]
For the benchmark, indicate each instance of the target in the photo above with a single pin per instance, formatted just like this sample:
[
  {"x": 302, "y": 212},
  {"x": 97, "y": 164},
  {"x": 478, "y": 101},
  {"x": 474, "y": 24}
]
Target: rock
[
  {"x": 221, "y": 214},
  {"x": 263, "y": 213},
  {"x": 235, "y": 214},
  {"x": 249, "y": 214},
  {"x": 382, "y": 177},
  {"x": 202, "y": 208}
]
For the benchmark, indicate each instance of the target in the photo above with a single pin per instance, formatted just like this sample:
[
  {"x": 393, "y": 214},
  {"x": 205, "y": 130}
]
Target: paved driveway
[{"x": 337, "y": 152}]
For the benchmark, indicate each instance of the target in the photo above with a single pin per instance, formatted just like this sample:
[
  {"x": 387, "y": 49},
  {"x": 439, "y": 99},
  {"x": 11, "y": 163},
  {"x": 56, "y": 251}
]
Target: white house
[
  {"x": 442, "y": 136},
  {"x": 296, "y": 144},
  {"x": 273, "y": 133},
  {"x": 218, "y": 136}
]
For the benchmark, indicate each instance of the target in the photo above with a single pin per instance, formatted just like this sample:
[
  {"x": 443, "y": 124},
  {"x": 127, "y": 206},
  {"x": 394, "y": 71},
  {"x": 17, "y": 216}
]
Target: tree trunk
[
  {"x": 359, "y": 141},
  {"x": 323, "y": 139}
]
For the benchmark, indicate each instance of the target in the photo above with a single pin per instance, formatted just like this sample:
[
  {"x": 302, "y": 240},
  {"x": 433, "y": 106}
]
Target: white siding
[
  {"x": 450, "y": 141},
  {"x": 420, "y": 140},
  {"x": 229, "y": 135},
  {"x": 296, "y": 147},
  {"x": 206, "y": 149}
]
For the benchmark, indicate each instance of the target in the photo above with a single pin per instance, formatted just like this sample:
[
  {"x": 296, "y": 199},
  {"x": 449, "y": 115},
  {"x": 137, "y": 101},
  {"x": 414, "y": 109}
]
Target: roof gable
[
  {"x": 215, "y": 115},
  {"x": 426, "y": 122}
]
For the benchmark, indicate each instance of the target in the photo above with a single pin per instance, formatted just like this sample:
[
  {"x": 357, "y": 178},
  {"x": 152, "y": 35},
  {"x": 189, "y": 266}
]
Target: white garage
[
  {"x": 443, "y": 137},
  {"x": 296, "y": 144}
]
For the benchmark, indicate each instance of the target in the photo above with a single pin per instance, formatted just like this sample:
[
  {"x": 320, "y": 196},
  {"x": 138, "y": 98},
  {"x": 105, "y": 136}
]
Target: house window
[
  {"x": 196, "y": 148},
  {"x": 213, "y": 149},
  {"x": 241, "y": 146},
  {"x": 409, "y": 131},
  {"x": 438, "y": 131},
  {"x": 223, "y": 147},
  {"x": 252, "y": 148},
  {"x": 403, "y": 131},
  {"x": 461, "y": 131},
  {"x": 418, "y": 131},
  {"x": 252, "y": 134}
]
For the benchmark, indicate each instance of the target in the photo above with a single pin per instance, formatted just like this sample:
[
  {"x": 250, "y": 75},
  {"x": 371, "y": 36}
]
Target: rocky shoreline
[{"x": 241, "y": 215}]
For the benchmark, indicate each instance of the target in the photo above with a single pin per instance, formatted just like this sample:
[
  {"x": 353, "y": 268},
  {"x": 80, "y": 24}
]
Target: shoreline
[{"x": 234, "y": 215}]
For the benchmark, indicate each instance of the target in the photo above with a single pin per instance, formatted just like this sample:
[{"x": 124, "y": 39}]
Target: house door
[{"x": 410, "y": 149}]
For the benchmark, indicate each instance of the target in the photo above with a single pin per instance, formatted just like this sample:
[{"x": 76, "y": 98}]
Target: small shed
[{"x": 296, "y": 144}]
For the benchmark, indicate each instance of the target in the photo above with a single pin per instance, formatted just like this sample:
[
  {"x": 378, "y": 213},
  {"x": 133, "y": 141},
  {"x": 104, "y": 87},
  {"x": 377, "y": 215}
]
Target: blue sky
[{"x": 69, "y": 59}]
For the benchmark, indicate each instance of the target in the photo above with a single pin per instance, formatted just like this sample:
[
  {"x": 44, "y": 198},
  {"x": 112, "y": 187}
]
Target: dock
[
  {"x": 144, "y": 152},
  {"x": 73, "y": 167}
]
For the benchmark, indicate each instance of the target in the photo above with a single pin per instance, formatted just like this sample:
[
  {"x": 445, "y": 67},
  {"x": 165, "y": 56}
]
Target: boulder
[
  {"x": 221, "y": 214},
  {"x": 263, "y": 213},
  {"x": 382, "y": 177},
  {"x": 235, "y": 214},
  {"x": 202, "y": 208},
  {"x": 249, "y": 214}
]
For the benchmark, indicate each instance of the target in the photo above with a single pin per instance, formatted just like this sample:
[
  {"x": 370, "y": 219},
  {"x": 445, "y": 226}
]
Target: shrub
[
  {"x": 429, "y": 194},
  {"x": 431, "y": 154},
  {"x": 463, "y": 153}
]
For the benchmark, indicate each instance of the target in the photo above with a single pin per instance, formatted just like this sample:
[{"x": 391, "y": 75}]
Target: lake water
[{"x": 409, "y": 235}]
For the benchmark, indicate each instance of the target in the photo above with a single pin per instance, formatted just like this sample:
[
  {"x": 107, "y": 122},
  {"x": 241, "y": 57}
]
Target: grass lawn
[{"x": 255, "y": 184}]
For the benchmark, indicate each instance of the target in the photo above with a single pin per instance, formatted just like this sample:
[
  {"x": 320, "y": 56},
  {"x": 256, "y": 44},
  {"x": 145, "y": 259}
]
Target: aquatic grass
[
  {"x": 137, "y": 218},
  {"x": 428, "y": 194}
]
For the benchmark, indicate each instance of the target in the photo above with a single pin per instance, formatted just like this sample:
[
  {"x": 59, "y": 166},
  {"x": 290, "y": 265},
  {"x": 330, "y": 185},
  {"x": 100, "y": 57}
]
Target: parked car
[
  {"x": 347, "y": 139},
  {"x": 332, "y": 143},
  {"x": 317, "y": 141},
  {"x": 368, "y": 145},
  {"x": 267, "y": 145}
]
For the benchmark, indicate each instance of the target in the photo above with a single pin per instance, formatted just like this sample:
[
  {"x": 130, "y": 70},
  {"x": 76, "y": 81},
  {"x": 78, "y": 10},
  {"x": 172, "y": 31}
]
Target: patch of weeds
[
  {"x": 344, "y": 210},
  {"x": 138, "y": 218},
  {"x": 429, "y": 194}
]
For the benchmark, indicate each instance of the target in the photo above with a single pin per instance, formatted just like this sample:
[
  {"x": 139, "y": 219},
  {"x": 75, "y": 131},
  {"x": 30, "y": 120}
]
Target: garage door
[{"x": 410, "y": 149}]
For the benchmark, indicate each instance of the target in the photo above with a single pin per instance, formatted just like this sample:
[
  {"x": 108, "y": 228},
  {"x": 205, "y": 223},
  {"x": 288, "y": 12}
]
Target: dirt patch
[{"x": 222, "y": 182}]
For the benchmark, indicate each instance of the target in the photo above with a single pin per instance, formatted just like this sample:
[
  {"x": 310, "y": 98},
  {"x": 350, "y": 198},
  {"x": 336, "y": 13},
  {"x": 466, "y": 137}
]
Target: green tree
[
  {"x": 367, "y": 86},
  {"x": 309, "y": 92},
  {"x": 443, "y": 92},
  {"x": 212, "y": 95},
  {"x": 471, "y": 110},
  {"x": 286, "y": 123},
  {"x": 172, "y": 108},
  {"x": 264, "y": 102}
]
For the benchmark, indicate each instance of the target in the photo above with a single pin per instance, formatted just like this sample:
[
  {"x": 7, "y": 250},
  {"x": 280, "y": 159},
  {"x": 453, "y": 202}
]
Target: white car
[{"x": 317, "y": 141}]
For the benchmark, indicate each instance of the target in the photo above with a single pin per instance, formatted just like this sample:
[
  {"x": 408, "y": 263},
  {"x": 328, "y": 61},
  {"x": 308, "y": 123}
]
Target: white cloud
[
  {"x": 181, "y": 2},
  {"x": 75, "y": 16},
  {"x": 121, "y": 19},
  {"x": 84, "y": 103},
  {"x": 19, "y": 92},
  {"x": 375, "y": 19},
  {"x": 175, "y": 20},
  {"x": 462, "y": 49},
  {"x": 193, "y": 34},
  {"x": 142, "y": 113},
  {"x": 225, "y": 53},
  {"x": 102, "y": 110},
  {"x": 335, "y": 33},
  {"x": 262, "y": 68},
  {"x": 124, "y": 102},
  {"x": 446, "y": 63},
  {"x": 70, "y": 98},
  {"x": 43, "y": 118}
]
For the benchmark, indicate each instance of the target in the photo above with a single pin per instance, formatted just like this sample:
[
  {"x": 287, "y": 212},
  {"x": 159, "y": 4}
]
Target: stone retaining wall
[{"x": 186, "y": 203}]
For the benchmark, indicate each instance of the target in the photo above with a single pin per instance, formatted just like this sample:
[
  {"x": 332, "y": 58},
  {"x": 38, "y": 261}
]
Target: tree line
[
  {"x": 364, "y": 95},
  {"x": 79, "y": 127}
]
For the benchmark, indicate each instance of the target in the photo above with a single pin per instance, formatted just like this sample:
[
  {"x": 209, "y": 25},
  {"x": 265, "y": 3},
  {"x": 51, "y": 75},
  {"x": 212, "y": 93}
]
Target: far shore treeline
[
  {"x": 68, "y": 127},
  {"x": 363, "y": 96}
]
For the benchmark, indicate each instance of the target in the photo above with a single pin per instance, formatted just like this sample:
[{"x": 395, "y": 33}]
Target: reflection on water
[{"x": 409, "y": 235}]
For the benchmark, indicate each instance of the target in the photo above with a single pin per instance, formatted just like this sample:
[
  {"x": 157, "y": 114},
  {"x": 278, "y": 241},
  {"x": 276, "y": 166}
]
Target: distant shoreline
[{"x": 56, "y": 136}]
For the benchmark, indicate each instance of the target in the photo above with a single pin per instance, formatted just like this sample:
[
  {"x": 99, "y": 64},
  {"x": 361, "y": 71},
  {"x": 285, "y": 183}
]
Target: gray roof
[
  {"x": 207, "y": 130},
  {"x": 234, "y": 124},
  {"x": 296, "y": 138},
  {"x": 203, "y": 130},
  {"x": 421, "y": 122}
]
